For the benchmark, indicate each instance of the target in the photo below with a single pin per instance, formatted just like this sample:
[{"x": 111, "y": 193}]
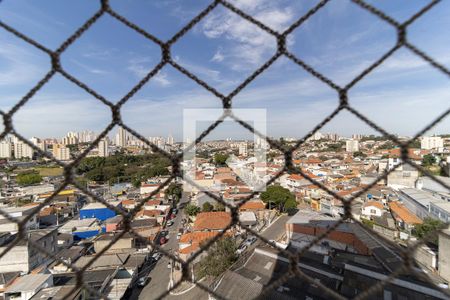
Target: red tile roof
[
  {"x": 212, "y": 220},
  {"x": 401, "y": 212}
]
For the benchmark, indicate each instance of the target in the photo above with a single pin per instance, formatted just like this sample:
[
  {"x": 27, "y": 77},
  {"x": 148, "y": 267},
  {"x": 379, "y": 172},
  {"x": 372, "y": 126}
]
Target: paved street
[{"x": 160, "y": 274}]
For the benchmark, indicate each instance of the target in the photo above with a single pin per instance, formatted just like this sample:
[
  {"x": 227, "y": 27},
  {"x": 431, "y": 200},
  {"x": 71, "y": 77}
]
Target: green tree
[
  {"x": 221, "y": 256},
  {"x": 280, "y": 197},
  {"x": 359, "y": 154},
  {"x": 175, "y": 191},
  {"x": 415, "y": 144},
  {"x": 428, "y": 229},
  {"x": 28, "y": 178},
  {"x": 428, "y": 160},
  {"x": 207, "y": 207},
  {"x": 220, "y": 158},
  {"x": 220, "y": 207},
  {"x": 192, "y": 210}
]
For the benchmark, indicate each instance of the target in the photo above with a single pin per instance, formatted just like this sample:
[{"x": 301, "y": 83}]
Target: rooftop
[
  {"x": 99, "y": 205},
  {"x": 422, "y": 197},
  {"x": 212, "y": 220},
  {"x": 30, "y": 282}
]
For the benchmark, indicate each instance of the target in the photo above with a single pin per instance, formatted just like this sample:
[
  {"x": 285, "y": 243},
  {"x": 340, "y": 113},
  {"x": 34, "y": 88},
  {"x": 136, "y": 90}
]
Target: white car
[
  {"x": 178, "y": 235},
  {"x": 169, "y": 265},
  {"x": 250, "y": 240},
  {"x": 156, "y": 256},
  {"x": 241, "y": 249}
]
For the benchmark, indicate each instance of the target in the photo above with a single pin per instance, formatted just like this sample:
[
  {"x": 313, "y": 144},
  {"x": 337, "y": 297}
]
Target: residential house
[
  {"x": 372, "y": 209},
  {"x": 404, "y": 217},
  {"x": 27, "y": 286},
  {"x": 22, "y": 257}
]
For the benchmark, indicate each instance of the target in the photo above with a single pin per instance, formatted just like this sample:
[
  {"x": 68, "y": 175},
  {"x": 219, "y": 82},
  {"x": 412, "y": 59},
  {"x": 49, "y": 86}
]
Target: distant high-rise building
[
  {"x": 351, "y": 146},
  {"x": 5, "y": 149},
  {"x": 38, "y": 143},
  {"x": 22, "y": 150},
  {"x": 317, "y": 136},
  {"x": 121, "y": 137},
  {"x": 243, "y": 149},
  {"x": 170, "y": 140},
  {"x": 61, "y": 152},
  {"x": 432, "y": 143},
  {"x": 356, "y": 137},
  {"x": 103, "y": 150}
]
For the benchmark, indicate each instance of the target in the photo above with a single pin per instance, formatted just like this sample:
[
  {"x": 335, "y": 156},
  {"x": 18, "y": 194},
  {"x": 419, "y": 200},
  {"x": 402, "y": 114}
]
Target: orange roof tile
[
  {"x": 253, "y": 205},
  {"x": 400, "y": 211},
  {"x": 212, "y": 220},
  {"x": 374, "y": 203},
  {"x": 197, "y": 236}
]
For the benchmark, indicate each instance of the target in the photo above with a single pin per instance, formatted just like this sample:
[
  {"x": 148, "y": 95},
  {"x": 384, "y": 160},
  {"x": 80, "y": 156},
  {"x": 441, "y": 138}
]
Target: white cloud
[
  {"x": 161, "y": 79},
  {"x": 218, "y": 56},
  {"x": 247, "y": 45},
  {"x": 137, "y": 66}
]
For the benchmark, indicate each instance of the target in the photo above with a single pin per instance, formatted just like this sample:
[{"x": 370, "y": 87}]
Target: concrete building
[
  {"x": 103, "y": 150},
  {"x": 5, "y": 149},
  {"x": 125, "y": 242},
  {"x": 61, "y": 152},
  {"x": 99, "y": 210},
  {"x": 431, "y": 143},
  {"x": 22, "y": 150},
  {"x": 121, "y": 137},
  {"x": 440, "y": 210},
  {"x": 81, "y": 229},
  {"x": 243, "y": 149},
  {"x": 372, "y": 209},
  {"x": 22, "y": 257},
  {"x": 170, "y": 140},
  {"x": 405, "y": 176},
  {"x": 444, "y": 257},
  {"x": 18, "y": 213},
  {"x": 351, "y": 145},
  {"x": 418, "y": 201},
  {"x": 27, "y": 286}
]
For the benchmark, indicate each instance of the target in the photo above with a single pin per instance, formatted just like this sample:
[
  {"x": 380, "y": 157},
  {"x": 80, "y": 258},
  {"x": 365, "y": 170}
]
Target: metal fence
[{"x": 227, "y": 101}]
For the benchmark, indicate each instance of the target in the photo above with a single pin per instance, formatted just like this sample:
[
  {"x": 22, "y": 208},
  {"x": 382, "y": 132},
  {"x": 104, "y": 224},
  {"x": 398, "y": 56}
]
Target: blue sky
[{"x": 403, "y": 95}]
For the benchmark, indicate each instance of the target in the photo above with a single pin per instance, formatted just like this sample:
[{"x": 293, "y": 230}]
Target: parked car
[
  {"x": 241, "y": 249},
  {"x": 169, "y": 265},
  {"x": 178, "y": 235},
  {"x": 142, "y": 281},
  {"x": 250, "y": 240},
  {"x": 175, "y": 211},
  {"x": 165, "y": 233},
  {"x": 169, "y": 223},
  {"x": 156, "y": 256},
  {"x": 162, "y": 240}
]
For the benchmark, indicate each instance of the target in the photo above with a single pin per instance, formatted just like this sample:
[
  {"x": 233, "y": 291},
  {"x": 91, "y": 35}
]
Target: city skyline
[{"x": 224, "y": 54}]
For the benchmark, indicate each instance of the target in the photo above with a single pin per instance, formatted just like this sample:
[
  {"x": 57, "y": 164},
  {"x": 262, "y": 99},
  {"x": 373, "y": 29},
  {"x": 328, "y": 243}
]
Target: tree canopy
[
  {"x": 428, "y": 160},
  {"x": 280, "y": 197},
  {"x": 123, "y": 168},
  {"x": 28, "y": 178},
  {"x": 221, "y": 255},
  {"x": 192, "y": 210},
  {"x": 207, "y": 207},
  {"x": 428, "y": 229},
  {"x": 174, "y": 190},
  {"x": 220, "y": 158}
]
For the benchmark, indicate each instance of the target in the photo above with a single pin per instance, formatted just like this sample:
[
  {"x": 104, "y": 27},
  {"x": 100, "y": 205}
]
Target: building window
[{"x": 373, "y": 211}]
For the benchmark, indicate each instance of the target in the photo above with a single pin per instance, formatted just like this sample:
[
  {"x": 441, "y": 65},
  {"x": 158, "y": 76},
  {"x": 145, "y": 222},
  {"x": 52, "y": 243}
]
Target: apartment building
[{"x": 24, "y": 258}]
